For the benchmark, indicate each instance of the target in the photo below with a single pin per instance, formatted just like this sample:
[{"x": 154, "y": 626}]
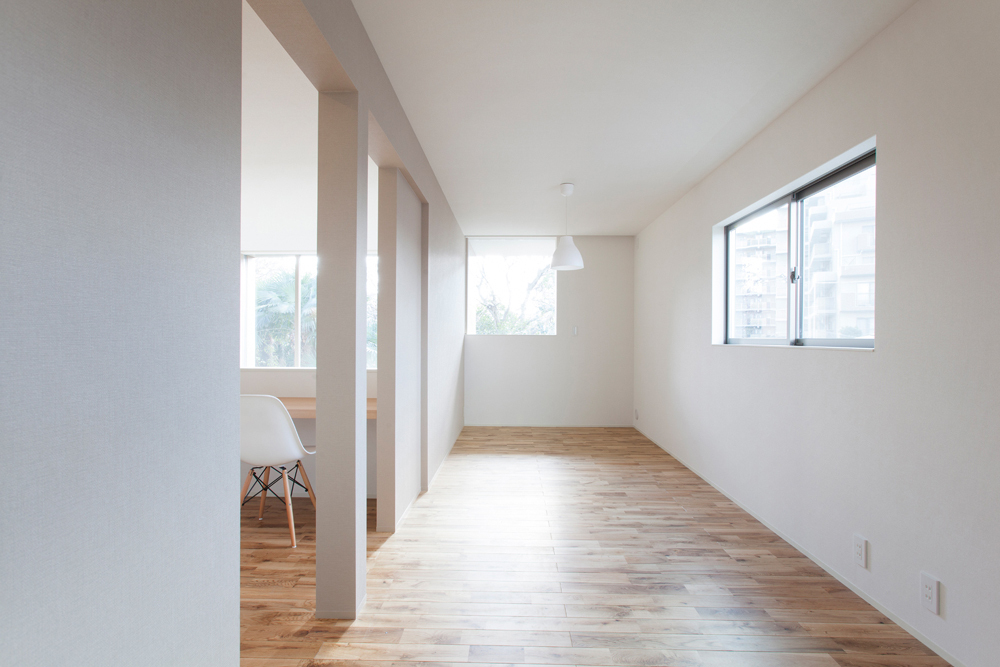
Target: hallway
[{"x": 581, "y": 546}]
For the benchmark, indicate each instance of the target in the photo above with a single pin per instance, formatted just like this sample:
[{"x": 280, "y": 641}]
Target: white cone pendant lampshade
[{"x": 566, "y": 257}]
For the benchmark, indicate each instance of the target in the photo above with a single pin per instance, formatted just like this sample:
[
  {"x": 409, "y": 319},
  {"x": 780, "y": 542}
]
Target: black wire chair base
[{"x": 258, "y": 482}]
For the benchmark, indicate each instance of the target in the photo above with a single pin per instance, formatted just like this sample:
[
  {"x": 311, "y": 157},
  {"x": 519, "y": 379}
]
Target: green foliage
[
  {"x": 496, "y": 317},
  {"x": 275, "y": 318}
]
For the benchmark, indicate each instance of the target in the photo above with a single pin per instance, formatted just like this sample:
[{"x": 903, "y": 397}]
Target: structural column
[{"x": 341, "y": 429}]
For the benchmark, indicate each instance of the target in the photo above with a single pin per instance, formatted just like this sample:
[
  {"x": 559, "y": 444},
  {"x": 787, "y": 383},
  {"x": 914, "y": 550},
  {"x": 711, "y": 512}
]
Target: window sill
[
  {"x": 289, "y": 368},
  {"x": 799, "y": 347},
  {"x": 479, "y": 335}
]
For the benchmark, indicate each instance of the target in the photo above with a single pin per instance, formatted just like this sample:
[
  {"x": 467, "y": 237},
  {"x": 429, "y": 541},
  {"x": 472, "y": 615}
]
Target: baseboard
[
  {"x": 554, "y": 425},
  {"x": 829, "y": 570}
]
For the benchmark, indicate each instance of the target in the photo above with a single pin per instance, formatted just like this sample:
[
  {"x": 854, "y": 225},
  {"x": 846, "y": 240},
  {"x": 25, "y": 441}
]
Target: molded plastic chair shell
[{"x": 267, "y": 432}]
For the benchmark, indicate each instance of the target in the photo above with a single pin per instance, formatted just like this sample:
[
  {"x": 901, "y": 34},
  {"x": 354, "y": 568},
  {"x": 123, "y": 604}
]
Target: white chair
[{"x": 268, "y": 440}]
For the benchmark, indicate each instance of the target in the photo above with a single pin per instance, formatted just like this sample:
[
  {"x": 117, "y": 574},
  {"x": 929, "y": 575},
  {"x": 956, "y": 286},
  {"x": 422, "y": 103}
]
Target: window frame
[{"x": 796, "y": 250}]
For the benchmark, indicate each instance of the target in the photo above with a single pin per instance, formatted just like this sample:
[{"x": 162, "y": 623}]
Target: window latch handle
[{"x": 793, "y": 276}]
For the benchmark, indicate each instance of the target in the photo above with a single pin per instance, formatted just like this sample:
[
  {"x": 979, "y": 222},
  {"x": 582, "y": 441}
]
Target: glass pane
[
  {"x": 371, "y": 319},
  {"x": 274, "y": 283},
  {"x": 758, "y": 277},
  {"x": 307, "y": 293},
  {"x": 838, "y": 259},
  {"x": 512, "y": 290}
]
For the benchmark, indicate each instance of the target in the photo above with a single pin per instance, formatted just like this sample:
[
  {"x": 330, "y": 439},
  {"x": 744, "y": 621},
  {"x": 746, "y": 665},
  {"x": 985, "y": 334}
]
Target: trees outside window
[
  {"x": 512, "y": 289},
  {"x": 280, "y": 331}
]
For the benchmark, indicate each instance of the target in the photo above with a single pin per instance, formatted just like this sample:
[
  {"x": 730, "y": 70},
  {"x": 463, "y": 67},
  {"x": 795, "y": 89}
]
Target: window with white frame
[
  {"x": 801, "y": 269},
  {"x": 278, "y": 311},
  {"x": 511, "y": 286}
]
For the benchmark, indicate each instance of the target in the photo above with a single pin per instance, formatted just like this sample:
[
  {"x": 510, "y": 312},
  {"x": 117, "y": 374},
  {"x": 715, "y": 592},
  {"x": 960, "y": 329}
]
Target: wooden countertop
[{"x": 305, "y": 408}]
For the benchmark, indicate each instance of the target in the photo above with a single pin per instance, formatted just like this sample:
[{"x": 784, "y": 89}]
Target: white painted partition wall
[
  {"x": 900, "y": 444},
  {"x": 399, "y": 348}
]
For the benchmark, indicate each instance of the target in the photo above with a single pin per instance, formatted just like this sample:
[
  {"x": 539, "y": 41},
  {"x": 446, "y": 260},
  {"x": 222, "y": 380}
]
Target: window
[
  {"x": 307, "y": 310},
  {"x": 276, "y": 291},
  {"x": 279, "y": 311},
  {"x": 758, "y": 305},
  {"x": 801, "y": 270},
  {"x": 511, "y": 288},
  {"x": 371, "y": 312}
]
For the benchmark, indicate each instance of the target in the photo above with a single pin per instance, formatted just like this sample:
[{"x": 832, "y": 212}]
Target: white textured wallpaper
[{"x": 119, "y": 381}]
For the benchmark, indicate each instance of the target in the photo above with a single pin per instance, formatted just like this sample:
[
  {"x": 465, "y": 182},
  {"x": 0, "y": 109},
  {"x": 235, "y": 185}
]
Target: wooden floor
[{"x": 564, "y": 547}]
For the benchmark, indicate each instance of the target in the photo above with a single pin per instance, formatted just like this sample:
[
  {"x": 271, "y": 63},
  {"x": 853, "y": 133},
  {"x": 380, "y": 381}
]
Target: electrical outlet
[
  {"x": 637, "y": 414},
  {"x": 861, "y": 551},
  {"x": 929, "y": 593}
]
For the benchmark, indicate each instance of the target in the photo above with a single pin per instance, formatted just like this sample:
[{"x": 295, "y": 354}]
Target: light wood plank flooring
[{"x": 563, "y": 547}]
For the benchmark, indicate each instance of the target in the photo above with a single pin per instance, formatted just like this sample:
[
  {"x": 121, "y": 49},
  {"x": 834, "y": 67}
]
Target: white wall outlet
[
  {"x": 929, "y": 593},
  {"x": 861, "y": 551},
  {"x": 637, "y": 414}
]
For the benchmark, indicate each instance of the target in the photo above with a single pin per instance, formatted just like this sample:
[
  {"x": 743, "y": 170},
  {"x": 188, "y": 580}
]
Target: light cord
[{"x": 566, "y": 218}]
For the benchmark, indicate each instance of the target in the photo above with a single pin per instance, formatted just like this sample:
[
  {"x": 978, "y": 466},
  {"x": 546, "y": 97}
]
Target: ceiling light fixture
[{"x": 566, "y": 257}]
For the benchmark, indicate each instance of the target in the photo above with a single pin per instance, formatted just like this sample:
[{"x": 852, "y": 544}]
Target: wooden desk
[{"x": 305, "y": 408}]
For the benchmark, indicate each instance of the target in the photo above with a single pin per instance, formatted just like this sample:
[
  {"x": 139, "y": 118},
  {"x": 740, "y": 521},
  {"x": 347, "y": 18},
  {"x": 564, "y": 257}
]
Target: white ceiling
[{"x": 634, "y": 101}]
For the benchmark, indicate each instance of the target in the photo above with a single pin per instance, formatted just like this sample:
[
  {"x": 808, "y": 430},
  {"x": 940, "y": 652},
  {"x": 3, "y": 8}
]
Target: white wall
[
  {"x": 444, "y": 337},
  {"x": 566, "y": 379},
  {"x": 400, "y": 345},
  {"x": 898, "y": 444},
  {"x": 279, "y": 146},
  {"x": 119, "y": 219},
  {"x": 279, "y": 381},
  {"x": 290, "y": 381}
]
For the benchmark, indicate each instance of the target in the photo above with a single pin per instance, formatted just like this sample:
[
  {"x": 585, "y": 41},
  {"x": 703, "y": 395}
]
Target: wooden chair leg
[
  {"x": 308, "y": 486},
  {"x": 246, "y": 486},
  {"x": 288, "y": 505},
  {"x": 263, "y": 492}
]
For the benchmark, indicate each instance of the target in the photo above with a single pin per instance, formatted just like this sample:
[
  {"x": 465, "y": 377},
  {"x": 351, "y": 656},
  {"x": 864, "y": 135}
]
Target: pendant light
[{"x": 566, "y": 257}]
